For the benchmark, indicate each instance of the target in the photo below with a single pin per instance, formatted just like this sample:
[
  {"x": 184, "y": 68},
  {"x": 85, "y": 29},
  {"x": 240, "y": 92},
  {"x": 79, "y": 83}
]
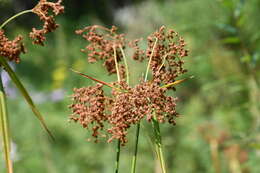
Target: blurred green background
[{"x": 218, "y": 131}]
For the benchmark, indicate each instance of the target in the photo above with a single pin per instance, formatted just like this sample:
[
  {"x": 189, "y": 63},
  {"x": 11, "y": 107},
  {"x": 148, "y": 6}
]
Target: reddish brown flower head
[
  {"x": 88, "y": 108},
  {"x": 104, "y": 44},
  {"x": 11, "y": 49},
  {"x": 42, "y": 10},
  {"x": 167, "y": 49}
]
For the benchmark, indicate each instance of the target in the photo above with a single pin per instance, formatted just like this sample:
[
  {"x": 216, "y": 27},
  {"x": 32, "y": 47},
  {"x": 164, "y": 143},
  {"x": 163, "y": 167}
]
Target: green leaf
[
  {"x": 5, "y": 129},
  {"x": 25, "y": 94}
]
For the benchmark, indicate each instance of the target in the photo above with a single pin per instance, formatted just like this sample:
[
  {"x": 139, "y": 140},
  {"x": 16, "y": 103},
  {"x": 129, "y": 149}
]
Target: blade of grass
[
  {"x": 5, "y": 129},
  {"x": 176, "y": 82},
  {"x": 25, "y": 94},
  {"x": 96, "y": 80}
]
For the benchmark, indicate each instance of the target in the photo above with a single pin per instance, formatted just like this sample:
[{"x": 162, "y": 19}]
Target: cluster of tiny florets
[
  {"x": 11, "y": 49},
  {"x": 128, "y": 105},
  {"x": 167, "y": 49},
  {"x": 104, "y": 44},
  {"x": 88, "y": 108},
  {"x": 42, "y": 10}
]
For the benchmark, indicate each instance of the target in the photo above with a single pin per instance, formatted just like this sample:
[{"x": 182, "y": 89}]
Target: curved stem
[{"x": 15, "y": 16}]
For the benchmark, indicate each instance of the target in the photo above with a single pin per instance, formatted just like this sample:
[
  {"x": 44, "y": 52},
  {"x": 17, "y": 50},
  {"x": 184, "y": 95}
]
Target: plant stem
[
  {"x": 117, "y": 156},
  {"x": 5, "y": 128},
  {"x": 118, "y": 142},
  {"x": 158, "y": 143},
  {"x": 126, "y": 65},
  {"x": 150, "y": 59},
  {"x": 15, "y": 16},
  {"x": 136, "y": 149},
  {"x": 138, "y": 125},
  {"x": 116, "y": 64}
]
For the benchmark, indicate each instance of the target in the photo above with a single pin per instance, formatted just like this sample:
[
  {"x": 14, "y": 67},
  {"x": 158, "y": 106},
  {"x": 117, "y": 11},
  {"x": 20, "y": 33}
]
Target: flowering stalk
[{"x": 138, "y": 125}]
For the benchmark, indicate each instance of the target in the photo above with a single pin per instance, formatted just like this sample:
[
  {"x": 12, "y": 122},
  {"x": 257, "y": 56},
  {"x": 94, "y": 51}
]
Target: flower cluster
[
  {"x": 128, "y": 105},
  {"x": 167, "y": 49},
  {"x": 42, "y": 10},
  {"x": 11, "y": 49},
  {"x": 104, "y": 44}
]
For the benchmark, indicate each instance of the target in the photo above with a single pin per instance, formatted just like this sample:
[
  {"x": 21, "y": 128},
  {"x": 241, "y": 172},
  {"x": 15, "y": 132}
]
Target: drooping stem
[
  {"x": 5, "y": 128},
  {"x": 138, "y": 125},
  {"x": 15, "y": 16},
  {"x": 118, "y": 142},
  {"x": 126, "y": 65},
  {"x": 158, "y": 143}
]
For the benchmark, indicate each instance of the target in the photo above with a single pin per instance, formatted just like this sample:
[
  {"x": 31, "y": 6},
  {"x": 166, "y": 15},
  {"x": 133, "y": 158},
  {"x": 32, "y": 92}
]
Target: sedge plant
[
  {"x": 10, "y": 51},
  {"x": 110, "y": 116}
]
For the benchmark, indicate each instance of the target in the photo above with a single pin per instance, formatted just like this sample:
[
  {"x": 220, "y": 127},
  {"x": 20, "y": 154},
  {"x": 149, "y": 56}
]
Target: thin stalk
[
  {"x": 126, "y": 65},
  {"x": 5, "y": 128},
  {"x": 158, "y": 143},
  {"x": 138, "y": 125},
  {"x": 15, "y": 16},
  {"x": 118, "y": 142},
  {"x": 117, "y": 156},
  {"x": 136, "y": 148},
  {"x": 150, "y": 60},
  {"x": 176, "y": 82},
  {"x": 116, "y": 64}
]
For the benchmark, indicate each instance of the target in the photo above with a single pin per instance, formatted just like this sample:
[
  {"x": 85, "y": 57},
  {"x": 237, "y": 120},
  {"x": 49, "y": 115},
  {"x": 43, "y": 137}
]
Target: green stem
[
  {"x": 15, "y": 16},
  {"x": 118, "y": 142},
  {"x": 158, "y": 143},
  {"x": 5, "y": 128},
  {"x": 136, "y": 149},
  {"x": 126, "y": 65},
  {"x": 138, "y": 125},
  {"x": 117, "y": 156}
]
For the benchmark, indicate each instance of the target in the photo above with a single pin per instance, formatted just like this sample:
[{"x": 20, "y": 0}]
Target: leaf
[
  {"x": 5, "y": 129},
  {"x": 96, "y": 80},
  {"x": 25, "y": 94},
  {"x": 176, "y": 82}
]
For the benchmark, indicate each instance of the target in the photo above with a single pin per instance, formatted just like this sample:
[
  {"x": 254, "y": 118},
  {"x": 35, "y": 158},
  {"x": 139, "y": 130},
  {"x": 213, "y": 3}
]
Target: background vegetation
[{"x": 218, "y": 131}]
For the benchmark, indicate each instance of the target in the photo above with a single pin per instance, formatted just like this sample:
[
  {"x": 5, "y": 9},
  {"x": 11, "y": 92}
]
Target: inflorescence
[
  {"x": 113, "y": 115},
  {"x": 13, "y": 49}
]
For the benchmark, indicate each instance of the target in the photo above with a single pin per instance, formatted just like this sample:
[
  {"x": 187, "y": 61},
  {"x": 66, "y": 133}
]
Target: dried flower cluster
[
  {"x": 168, "y": 49},
  {"x": 104, "y": 44},
  {"x": 11, "y": 49},
  {"x": 127, "y": 105},
  {"x": 42, "y": 10}
]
